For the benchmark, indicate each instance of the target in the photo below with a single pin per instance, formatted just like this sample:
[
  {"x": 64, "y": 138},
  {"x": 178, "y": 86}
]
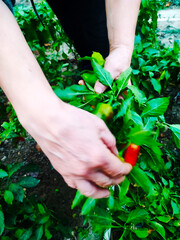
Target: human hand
[
  {"x": 117, "y": 62},
  {"x": 79, "y": 146}
]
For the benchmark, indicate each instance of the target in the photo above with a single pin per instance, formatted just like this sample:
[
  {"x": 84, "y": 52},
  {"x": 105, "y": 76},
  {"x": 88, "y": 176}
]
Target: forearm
[
  {"x": 21, "y": 78},
  {"x": 121, "y": 22}
]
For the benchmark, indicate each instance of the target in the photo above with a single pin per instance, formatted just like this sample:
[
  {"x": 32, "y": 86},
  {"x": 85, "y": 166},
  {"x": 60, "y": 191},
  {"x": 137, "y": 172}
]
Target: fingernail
[
  {"x": 98, "y": 89},
  {"x": 116, "y": 152},
  {"x": 107, "y": 196}
]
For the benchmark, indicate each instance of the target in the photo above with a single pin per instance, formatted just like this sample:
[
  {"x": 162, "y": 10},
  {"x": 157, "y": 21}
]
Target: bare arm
[
  {"x": 121, "y": 22},
  {"x": 78, "y": 144}
]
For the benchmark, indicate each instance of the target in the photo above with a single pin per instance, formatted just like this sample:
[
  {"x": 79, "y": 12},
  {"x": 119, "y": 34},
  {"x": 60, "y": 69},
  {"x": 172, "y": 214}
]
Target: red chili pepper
[{"x": 131, "y": 154}]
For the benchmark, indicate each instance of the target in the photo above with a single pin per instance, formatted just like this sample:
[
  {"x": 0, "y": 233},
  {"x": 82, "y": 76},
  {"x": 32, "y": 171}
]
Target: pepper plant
[{"x": 145, "y": 205}]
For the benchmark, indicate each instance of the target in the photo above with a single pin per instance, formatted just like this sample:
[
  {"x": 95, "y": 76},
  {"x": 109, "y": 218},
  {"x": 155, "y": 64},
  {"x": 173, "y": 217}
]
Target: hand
[
  {"x": 79, "y": 146},
  {"x": 117, "y": 62}
]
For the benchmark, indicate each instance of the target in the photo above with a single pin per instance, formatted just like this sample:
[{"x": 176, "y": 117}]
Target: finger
[
  {"x": 99, "y": 87},
  {"x": 109, "y": 140},
  {"x": 70, "y": 182},
  {"x": 114, "y": 167},
  {"x": 102, "y": 180},
  {"x": 90, "y": 190},
  {"x": 81, "y": 82}
]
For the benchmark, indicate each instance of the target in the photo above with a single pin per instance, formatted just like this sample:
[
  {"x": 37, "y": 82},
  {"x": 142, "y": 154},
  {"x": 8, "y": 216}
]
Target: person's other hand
[
  {"x": 117, "y": 62},
  {"x": 79, "y": 146}
]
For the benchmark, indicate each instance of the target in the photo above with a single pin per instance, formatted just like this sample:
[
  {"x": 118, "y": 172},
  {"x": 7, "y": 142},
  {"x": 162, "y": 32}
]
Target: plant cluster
[
  {"x": 21, "y": 217},
  {"x": 146, "y": 204}
]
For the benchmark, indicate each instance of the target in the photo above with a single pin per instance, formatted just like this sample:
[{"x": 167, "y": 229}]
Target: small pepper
[
  {"x": 131, "y": 154},
  {"x": 104, "y": 111},
  {"x": 89, "y": 78}
]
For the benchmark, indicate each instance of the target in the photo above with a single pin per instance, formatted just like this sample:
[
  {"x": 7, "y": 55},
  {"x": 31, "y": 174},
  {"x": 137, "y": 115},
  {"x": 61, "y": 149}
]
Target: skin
[
  {"x": 78, "y": 144},
  {"x": 121, "y": 23}
]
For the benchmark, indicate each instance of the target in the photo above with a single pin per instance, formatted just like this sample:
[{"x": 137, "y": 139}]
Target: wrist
[
  {"x": 121, "y": 52},
  {"x": 125, "y": 48},
  {"x": 41, "y": 108}
]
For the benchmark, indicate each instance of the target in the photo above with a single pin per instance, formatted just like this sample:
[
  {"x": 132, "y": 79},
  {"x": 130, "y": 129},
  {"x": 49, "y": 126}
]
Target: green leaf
[
  {"x": 41, "y": 208},
  {"x": 43, "y": 219},
  {"x": 165, "y": 218},
  {"x": 175, "y": 128},
  {"x": 136, "y": 215},
  {"x": 141, "y": 232},
  {"x": 2, "y": 225},
  {"x": 3, "y": 173},
  {"x": 111, "y": 202},
  {"x": 19, "y": 232},
  {"x": 123, "y": 108},
  {"x": 151, "y": 51},
  {"x": 14, "y": 168},
  {"x": 99, "y": 58},
  {"x": 139, "y": 136},
  {"x": 47, "y": 234},
  {"x": 103, "y": 75},
  {"x": 139, "y": 177},
  {"x": 71, "y": 93},
  {"x": 123, "y": 79},
  {"x": 175, "y": 207},
  {"x": 176, "y": 223},
  {"x": 164, "y": 181},
  {"x": 8, "y": 197},
  {"x": 150, "y": 123},
  {"x": 5, "y": 238},
  {"x": 77, "y": 199},
  {"x": 39, "y": 232},
  {"x": 28, "y": 182},
  {"x": 123, "y": 188},
  {"x": 158, "y": 227},
  {"x": 85, "y": 58},
  {"x": 17, "y": 191},
  {"x": 88, "y": 206},
  {"x": 136, "y": 118},
  {"x": 156, "y": 85},
  {"x": 26, "y": 235},
  {"x": 154, "y": 158},
  {"x": 155, "y": 107},
  {"x": 138, "y": 94}
]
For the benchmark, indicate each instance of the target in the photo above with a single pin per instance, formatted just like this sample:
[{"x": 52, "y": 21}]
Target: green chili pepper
[
  {"x": 89, "y": 78},
  {"x": 104, "y": 111}
]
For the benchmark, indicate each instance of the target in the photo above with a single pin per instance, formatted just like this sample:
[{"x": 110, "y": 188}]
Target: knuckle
[
  {"x": 99, "y": 161},
  {"x": 113, "y": 141},
  {"x": 120, "y": 180},
  {"x": 106, "y": 184},
  {"x": 101, "y": 124},
  {"x": 83, "y": 171}
]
